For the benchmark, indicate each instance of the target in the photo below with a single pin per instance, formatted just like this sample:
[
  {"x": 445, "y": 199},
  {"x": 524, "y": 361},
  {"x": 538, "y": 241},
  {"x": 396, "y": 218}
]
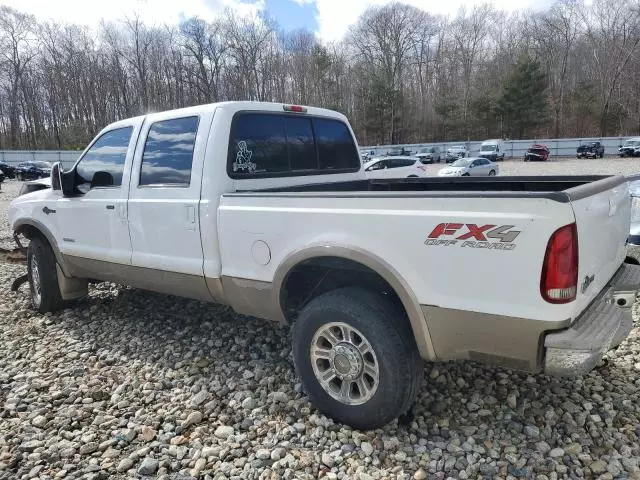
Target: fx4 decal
[{"x": 470, "y": 235}]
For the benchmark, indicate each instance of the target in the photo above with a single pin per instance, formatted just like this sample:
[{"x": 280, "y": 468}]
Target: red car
[{"x": 537, "y": 152}]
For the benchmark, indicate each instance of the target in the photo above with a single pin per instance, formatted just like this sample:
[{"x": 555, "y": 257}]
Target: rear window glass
[
  {"x": 168, "y": 152},
  {"x": 264, "y": 144}
]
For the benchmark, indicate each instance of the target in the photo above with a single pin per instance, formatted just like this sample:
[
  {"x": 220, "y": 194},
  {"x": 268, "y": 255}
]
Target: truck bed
[{"x": 553, "y": 187}]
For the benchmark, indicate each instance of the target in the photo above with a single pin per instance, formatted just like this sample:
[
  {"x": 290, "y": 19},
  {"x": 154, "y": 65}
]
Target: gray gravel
[{"x": 130, "y": 384}]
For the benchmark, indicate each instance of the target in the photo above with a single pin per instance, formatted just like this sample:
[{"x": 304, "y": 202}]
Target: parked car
[
  {"x": 32, "y": 170},
  {"x": 537, "y": 152},
  {"x": 35, "y": 185},
  {"x": 216, "y": 203},
  {"x": 395, "y": 167},
  {"x": 398, "y": 152},
  {"x": 2, "y": 176},
  {"x": 455, "y": 152},
  {"x": 367, "y": 155},
  {"x": 630, "y": 148},
  {"x": 492, "y": 150},
  {"x": 9, "y": 170},
  {"x": 473, "y": 166},
  {"x": 430, "y": 154},
  {"x": 590, "y": 150}
]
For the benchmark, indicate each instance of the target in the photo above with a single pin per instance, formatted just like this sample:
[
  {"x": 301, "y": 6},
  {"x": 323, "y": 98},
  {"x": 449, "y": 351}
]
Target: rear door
[
  {"x": 602, "y": 219},
  {"x": 164, "y": 193}
]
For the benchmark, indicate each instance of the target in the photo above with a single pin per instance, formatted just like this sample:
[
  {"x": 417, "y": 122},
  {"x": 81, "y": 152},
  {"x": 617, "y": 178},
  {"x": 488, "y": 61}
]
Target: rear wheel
[
  {"x": 465, "y": 175},
  {"x": 356, "y": 356},
  {"x": 43, "y": 277},
  {"x": 492, "y": 173}
]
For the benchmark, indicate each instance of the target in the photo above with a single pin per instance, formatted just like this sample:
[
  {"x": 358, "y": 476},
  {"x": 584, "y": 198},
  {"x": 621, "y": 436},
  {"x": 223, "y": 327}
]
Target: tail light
[{"x": 559, "y": 280}]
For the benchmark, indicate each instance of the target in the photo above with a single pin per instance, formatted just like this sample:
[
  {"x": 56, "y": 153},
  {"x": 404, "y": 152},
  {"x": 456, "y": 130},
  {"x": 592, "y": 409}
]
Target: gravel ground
[{"x": 130, "y": 384}]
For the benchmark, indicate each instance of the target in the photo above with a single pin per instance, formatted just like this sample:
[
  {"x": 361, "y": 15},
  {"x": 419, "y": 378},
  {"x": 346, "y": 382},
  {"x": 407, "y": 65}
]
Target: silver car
[{"x": 474, "y": 166}]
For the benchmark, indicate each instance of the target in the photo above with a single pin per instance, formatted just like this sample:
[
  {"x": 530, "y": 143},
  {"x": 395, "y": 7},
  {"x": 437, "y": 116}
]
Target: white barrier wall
[
  {"x": 561, "y": 147},
  {"x": 14, "y": 157}
]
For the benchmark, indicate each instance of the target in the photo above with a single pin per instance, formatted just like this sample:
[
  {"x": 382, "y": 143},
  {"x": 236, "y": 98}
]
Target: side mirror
[
  {"x": 102, "y": 179},
  {"x": 56, "y": 176}
]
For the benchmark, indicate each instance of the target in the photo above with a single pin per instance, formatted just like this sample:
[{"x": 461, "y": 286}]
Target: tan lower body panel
[
  {"x": 510, "y": 342},
  {"x": 248, "y": 297},
  {"x": 252, "y": 297},
  {"x": 161, "y": 281}
]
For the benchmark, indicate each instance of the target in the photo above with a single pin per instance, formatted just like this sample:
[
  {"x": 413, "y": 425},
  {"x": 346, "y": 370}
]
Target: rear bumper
[{"x": 603, "y": 325}]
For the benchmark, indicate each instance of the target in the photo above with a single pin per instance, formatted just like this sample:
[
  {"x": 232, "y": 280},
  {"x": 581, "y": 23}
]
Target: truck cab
[{"x": 492, "y": 150}]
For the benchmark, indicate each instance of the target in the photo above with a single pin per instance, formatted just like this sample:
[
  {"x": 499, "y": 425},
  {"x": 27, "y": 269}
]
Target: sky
[{"x": 329, "y": 19}]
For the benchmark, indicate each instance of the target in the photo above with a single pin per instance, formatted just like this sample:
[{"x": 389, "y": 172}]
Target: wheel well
[
  {"x": 29, "y": 231},
  {"x": 313, "y": 277}
]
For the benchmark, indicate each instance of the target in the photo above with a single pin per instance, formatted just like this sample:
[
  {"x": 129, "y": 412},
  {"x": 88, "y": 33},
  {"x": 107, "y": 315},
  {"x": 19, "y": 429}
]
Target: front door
[
  {"x": 164, "y": 194},
  {"x": 93, "y": 223}
]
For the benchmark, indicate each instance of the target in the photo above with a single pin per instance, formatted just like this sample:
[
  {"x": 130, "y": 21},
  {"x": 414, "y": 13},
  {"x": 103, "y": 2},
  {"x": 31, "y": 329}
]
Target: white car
[
  {"x": 218, "y": 204},
  {"x": 465, "y": 167},
  {"x": 395, "y": 167}
]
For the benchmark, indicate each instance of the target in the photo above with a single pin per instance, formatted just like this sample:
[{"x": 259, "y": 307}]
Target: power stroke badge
[{"x": 471, "y": 235}]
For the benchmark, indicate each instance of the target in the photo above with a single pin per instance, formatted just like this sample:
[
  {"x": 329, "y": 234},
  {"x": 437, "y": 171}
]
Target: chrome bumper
[{"x": 602, "y": 326}]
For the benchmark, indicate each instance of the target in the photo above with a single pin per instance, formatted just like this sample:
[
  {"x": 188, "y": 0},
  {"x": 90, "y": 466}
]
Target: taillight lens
[{"x": 559, "y": 281}]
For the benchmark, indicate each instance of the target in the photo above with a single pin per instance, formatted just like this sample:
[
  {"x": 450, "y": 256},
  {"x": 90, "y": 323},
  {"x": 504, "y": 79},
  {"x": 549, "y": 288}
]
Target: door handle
[
  {"x": 191, "y": 217},
  {"x": 111, "y": 207}
]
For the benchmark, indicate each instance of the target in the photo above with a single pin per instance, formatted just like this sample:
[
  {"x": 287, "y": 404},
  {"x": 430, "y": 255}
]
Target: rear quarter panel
[{"x": 396, "y": 229}]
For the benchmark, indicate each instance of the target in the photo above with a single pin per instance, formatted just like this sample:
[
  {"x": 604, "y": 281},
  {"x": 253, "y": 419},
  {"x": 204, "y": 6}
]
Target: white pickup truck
[{"x": 265, "y": 207}]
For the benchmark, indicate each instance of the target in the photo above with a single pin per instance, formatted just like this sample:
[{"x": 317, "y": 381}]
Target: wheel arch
[
  {"x": 369, "y": 262},
  {"x": 30, "y": 228}
]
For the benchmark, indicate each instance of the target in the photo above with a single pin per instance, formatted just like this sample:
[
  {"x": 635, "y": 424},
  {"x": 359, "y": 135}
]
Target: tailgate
[{"x": 603, "y": 211}]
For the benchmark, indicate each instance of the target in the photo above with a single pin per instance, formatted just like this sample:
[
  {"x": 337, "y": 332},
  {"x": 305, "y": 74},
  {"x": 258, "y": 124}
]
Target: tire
[
  {"x": 465, "y": 175},
  {"x": 43, "y": 278},
  {"x": 376, "y": 322},
  {"x": 492, "y": 173},
  {"x": 413, "y": 176},
  {"x": 602, "y": 155}
]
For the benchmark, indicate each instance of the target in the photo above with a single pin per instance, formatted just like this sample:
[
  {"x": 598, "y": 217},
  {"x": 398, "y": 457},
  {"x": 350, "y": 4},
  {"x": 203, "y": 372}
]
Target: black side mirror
[
  {"x": 56, "y": 178},
  {"x": 102, "y": 179}
]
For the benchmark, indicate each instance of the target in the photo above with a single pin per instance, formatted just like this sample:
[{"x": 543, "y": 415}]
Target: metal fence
[
  {"x": 14, "y": 157},
  {"x": 561, "y": 147}
]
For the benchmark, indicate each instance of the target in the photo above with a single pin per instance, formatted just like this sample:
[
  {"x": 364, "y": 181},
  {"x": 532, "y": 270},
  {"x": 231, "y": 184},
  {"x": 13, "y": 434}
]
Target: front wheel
[
  {"x": 356, "y": 356},
  {"x": 43, "y": 277},
  {"x": 492, "y": 173}
]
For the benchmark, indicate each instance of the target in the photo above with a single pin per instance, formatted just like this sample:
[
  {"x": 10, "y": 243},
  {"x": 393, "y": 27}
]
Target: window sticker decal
[{"x": 243, "y": 158}]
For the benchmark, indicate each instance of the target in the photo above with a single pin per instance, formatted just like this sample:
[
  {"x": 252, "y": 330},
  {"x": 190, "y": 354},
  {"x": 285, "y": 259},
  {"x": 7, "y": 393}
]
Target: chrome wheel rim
[
  {"x": 344, "y": 363},
  {"x": 36, "y": 287}
]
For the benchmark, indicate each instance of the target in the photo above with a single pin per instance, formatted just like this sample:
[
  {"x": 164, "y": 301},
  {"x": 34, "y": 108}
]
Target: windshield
[
  {"x": 463, "y": 162},
  {"x": 42, "y": 164},
  {"x": 488, "y": 148},
  {"x": 537, "y": 151},
  {"x": 631, "y": 143}
]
